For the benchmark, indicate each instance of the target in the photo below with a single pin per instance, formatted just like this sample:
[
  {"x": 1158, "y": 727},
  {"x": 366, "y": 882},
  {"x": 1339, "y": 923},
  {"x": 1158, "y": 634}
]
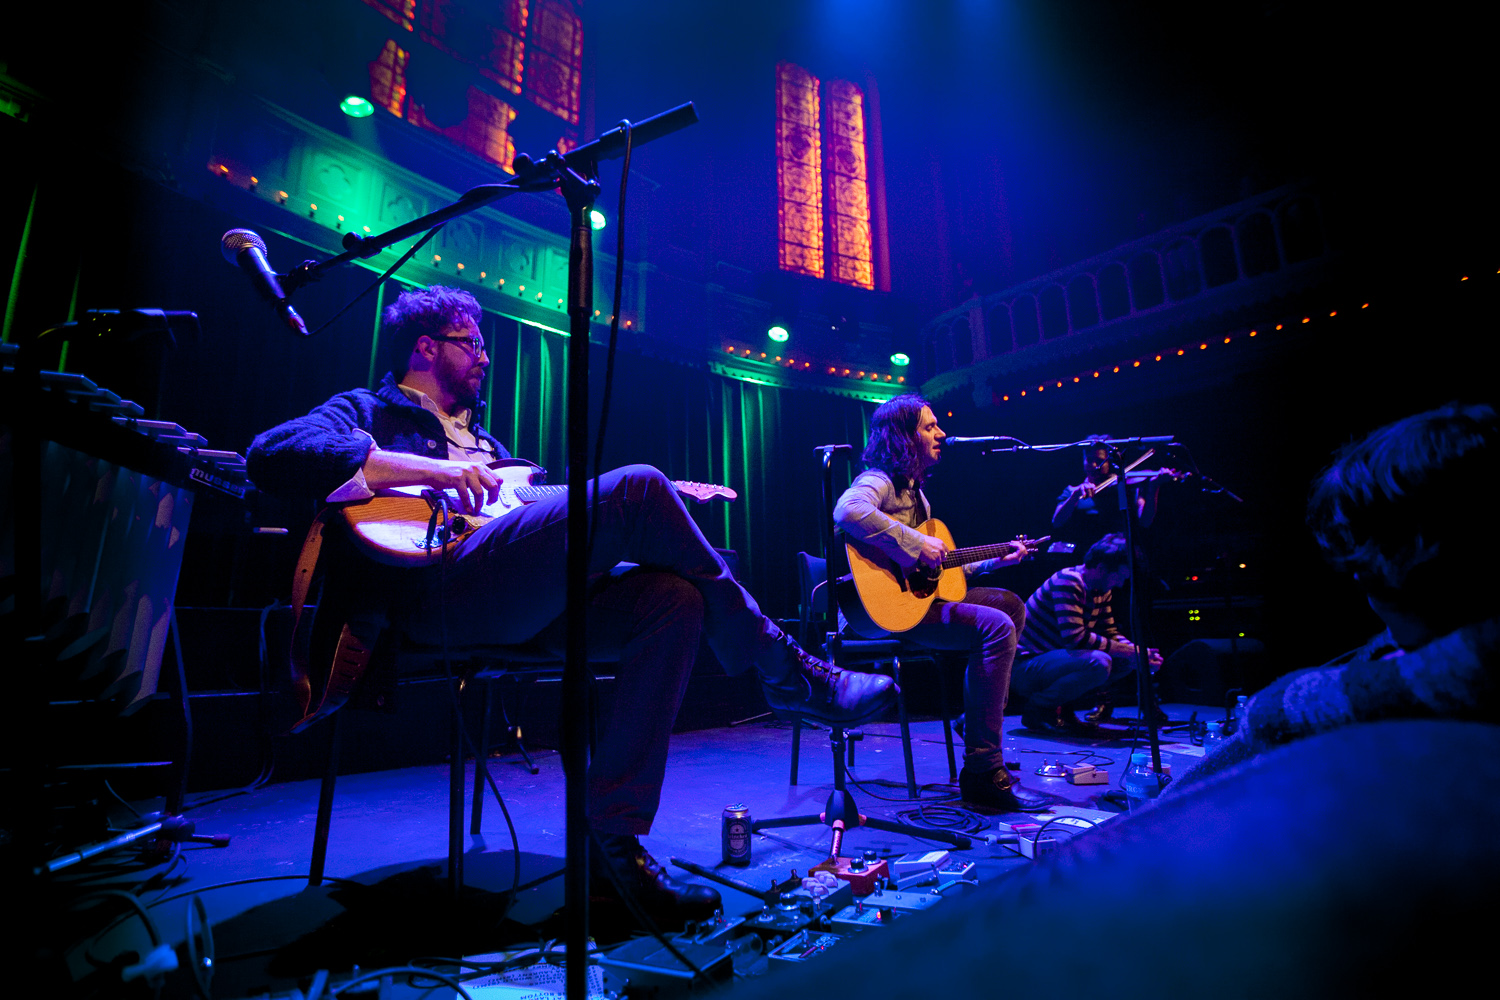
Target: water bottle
[
  {"x": 1242, "y": 714},
  {"x": 1141, "y": 783},
  {"x": 1213, "y": 735}
]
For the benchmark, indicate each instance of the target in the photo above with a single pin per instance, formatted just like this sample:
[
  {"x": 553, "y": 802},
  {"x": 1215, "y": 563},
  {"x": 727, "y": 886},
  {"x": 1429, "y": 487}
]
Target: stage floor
[{"x": 389, "y": 835}]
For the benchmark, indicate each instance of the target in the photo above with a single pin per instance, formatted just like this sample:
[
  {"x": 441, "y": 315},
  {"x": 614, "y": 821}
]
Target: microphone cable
[
  {"x": 614, "y": 336},
  {"x": 400, "y": 262}
]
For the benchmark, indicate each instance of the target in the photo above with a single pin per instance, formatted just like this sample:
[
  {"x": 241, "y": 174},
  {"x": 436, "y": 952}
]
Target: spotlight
[
  {"x": 900, "y": 360},
  {"x": 597, "y": 219},
  {"x": 779, "y": 334},
  {"x": 356, "y": 107}
]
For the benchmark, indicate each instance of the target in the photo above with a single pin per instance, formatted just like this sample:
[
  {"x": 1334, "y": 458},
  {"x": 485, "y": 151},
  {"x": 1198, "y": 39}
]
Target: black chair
[
  {"x": 819, "y": 632},
  {"x": 477, "y": 671},
  {"x": 841, "y": 812},
  {"x": 346, "y": 639}
]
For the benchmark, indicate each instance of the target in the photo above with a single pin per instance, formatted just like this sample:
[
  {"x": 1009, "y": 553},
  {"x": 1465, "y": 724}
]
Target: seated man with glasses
[{"x": 505, "y": 582}]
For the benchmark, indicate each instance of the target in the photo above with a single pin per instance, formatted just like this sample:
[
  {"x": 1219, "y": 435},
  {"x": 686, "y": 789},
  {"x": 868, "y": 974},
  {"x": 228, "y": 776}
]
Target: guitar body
[
  {"x": 392, "y": 527},
  {"x": 887, "y": 599}
]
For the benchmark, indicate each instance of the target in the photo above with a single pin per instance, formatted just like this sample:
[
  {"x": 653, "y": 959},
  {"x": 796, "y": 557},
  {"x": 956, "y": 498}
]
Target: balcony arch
[
  {"x": 998, "y": 330},
  {"x": 1255, "y": 235},
  {"x": 1216, "y": 248},
  {"x": 1053, "y": 305},
  {"x": 1146, "y": 289},
  {"x": 1180, "y": 264}
]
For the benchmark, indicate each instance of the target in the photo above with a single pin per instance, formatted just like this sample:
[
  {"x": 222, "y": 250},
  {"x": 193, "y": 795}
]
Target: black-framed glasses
[{"x": 474, "y": 343}]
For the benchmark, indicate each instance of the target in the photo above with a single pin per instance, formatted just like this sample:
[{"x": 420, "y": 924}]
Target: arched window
[
  {"x": 799, "y": 171},
  {"x": 533, "y": 48},
  {"x": 823, "y": 178}
]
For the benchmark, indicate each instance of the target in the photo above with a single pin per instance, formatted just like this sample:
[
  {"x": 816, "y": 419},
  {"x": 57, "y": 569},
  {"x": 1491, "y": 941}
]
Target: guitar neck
[{"x": 977, "y": 553}]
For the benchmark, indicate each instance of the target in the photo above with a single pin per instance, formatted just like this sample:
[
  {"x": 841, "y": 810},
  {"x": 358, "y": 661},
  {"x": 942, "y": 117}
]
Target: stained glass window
[
  {"x": 388, "y": 79},
  {"x": 529, "y": 47},
  {"x": 848, "y": 199},
  {"x": 486, "y": 129},
  {"x": 402, "y": 12},
  {"x": 554, "y": 60},
  {"x": 822, "y": 178},
  {"x": 799, "y": 171},
  {"x": 507, "y": 58}
]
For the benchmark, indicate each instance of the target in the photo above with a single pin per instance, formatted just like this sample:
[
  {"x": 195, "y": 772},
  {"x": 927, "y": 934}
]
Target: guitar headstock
[
  {"x": 704, "y": 492},
  {"x": 1033, "y": 545}
]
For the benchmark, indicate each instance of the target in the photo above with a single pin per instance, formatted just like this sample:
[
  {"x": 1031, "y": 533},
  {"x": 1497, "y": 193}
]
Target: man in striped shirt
[{"x": 1070, "y": 648}]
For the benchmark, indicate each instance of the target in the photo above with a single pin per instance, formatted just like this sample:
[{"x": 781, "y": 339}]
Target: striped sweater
[{"x": 1065, "y": 614}]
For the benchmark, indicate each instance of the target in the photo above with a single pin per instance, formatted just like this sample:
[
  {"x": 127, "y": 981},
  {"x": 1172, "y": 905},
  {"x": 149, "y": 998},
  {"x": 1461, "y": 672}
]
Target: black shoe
[
  {"x": 999, "y": 790},
  {"x": 817, "y": 690},
  {"x": 1100, "y": 714},
  {"x": 1053, "y": 721},
  {"x": 668, "y": 902}
]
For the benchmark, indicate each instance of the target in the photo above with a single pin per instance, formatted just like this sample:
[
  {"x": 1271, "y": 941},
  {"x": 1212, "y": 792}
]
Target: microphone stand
[
  {"x": 574, "y": 174},
  {"x": 1145, "y": 696}
]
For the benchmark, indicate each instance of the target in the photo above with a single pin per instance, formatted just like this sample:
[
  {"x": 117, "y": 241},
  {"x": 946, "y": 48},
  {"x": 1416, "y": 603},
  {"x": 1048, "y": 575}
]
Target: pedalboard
[
  {"x": 803, "y": 945},
  {"x": 1034, "y": 847},
  {"x": 649, "y": 967},
  {"x": 861, "y": 916},
  {"x": 1086, "y": 774},
  {"x": 956, "y": 870},
  {"x": 918, "y": 866},
  {"x": 863, "y": 874},
  {"x": 782, "y": 917},
  {"x": 897, "y": 899}
]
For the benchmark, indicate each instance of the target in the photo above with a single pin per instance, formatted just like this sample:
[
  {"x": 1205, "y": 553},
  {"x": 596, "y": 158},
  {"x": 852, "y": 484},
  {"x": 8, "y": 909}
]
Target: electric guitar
[
  {"x": 879, "y": 598},
  {"x": 405, "y": 525}
]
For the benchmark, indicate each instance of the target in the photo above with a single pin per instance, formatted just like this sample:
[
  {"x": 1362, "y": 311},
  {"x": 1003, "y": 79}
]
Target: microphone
[
  {"x": 990, "y": 439},
  {"x": 247, "y": 251}
]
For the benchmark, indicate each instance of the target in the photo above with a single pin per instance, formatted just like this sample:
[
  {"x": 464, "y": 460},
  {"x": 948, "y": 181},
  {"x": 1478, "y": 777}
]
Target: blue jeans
[
  {"x": 1063, "y": 676},
  {"x": 983, "y": 625},
  {"x": 507, "y": 585}
]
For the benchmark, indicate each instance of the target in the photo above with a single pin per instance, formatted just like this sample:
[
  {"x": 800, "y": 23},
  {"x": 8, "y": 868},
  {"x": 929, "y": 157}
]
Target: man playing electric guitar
[
  {"x": 504, "y": 582},
  {"x": 882, "y": 509}
]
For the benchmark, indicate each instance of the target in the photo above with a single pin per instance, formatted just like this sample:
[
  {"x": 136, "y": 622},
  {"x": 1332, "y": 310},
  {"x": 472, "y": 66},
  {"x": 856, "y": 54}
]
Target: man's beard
[{"x": 463, "y": 395}]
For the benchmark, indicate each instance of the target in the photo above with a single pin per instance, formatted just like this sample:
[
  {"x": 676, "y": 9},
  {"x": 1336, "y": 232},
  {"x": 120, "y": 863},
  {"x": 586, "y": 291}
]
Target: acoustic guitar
[
  {"x": 405, "y": 526},
  {"x": 879, "y": 598}
]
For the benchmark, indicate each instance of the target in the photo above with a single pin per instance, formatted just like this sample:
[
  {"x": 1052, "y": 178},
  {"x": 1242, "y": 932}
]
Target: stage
[{"x": 385, "y": 900}]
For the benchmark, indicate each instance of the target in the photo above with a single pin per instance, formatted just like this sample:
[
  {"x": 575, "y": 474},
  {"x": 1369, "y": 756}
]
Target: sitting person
[
  {"x": 1332, "y": 847},
  {"x": 1071, "y": 649},
  {"x": 1394, "y": 511},
  {"x": 883, "y": 507},
  {"x": 505, "y": 582}
]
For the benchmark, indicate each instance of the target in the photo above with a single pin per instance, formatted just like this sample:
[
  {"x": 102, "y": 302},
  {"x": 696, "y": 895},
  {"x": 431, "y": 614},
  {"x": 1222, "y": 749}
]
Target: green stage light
[
  {"x": 778, "y": 334},
  {"x": 900, "y": 360},
  {"x": 356, "y": 107},
  {"x": 597, "y": 219}
]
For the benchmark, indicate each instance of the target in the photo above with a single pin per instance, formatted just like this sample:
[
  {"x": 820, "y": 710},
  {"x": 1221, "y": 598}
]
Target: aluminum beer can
[{"x": 736, "y": 835}]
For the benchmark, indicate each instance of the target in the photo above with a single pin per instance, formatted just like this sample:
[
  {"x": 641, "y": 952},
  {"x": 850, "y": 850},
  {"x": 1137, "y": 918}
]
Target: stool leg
[
  {"x": 514, "y": 729},
  {"x": 456, "y": 776},
  {"x": 942, "y": 673},
  {"x": 325, "y": 803},
  {"x": 796, "y": 747},
  {"x": 481, "y": 765},
  {"x": 911, "y": 770}
]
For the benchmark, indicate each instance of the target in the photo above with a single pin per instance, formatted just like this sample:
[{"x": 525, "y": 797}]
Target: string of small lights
[
  {"x": 742, "y": 353},
  {"x": 1082, "y": 378},
  {"x": 1166, "y": 354}
]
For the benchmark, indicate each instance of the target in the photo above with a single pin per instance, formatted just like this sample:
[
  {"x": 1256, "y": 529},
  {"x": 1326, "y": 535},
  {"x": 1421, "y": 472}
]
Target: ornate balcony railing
[{"x": 1272, "y": 245}]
